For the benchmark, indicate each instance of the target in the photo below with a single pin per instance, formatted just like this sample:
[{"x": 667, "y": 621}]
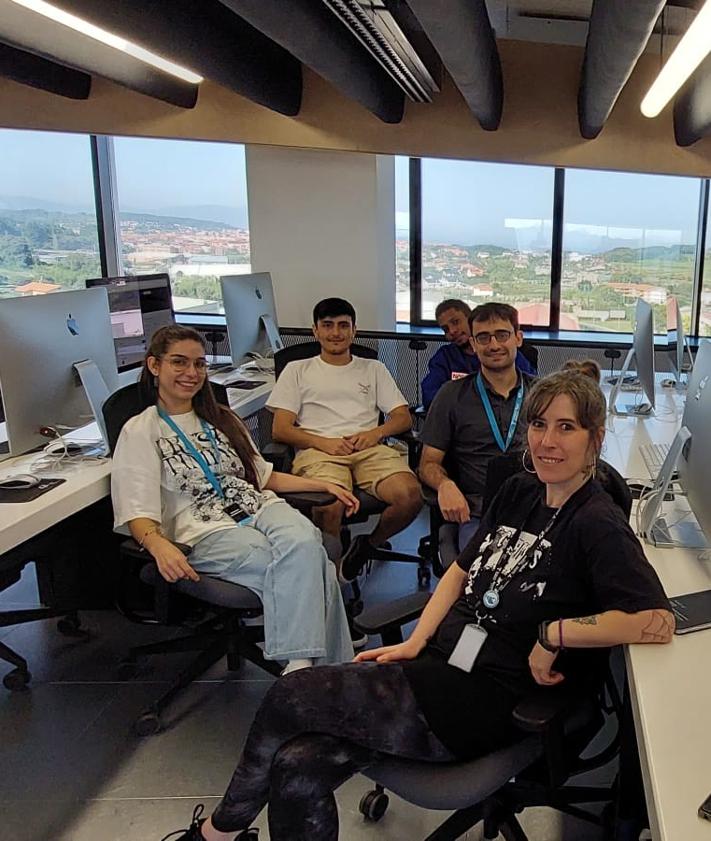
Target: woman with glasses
[
  {"x": 551, "y": 580},
  {"x": 186, "y": 471}
]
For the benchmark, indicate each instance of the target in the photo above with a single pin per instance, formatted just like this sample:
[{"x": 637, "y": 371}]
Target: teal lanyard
[
  {"x": 192, "y": 450},
  {"x": 503, "y": 446}
]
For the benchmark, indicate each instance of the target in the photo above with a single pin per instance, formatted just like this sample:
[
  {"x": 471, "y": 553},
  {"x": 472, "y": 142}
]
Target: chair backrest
[
  {"x": 306, "y": 350},
  {"x": 530, "y": 352},
  {"x": 502, "y": 467},
  {"x": 121, "y": 406}
]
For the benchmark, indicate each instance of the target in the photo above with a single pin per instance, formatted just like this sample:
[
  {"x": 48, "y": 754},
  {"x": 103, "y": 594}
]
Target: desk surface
[{"x": 669, "y": 686}]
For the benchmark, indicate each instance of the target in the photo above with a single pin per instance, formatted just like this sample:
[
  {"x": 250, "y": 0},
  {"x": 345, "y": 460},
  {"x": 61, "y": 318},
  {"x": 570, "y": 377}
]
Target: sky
[{"x": 464, "y": 202}]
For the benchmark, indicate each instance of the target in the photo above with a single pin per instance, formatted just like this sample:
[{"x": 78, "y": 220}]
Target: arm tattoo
[
  {"x": 586, "y": 620},
  {"x": 659, "y": 628}
]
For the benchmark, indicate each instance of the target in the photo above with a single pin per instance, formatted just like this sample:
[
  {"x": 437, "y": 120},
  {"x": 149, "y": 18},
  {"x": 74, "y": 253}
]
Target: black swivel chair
[
  {"x": 369, "y": 505},
  {"x": 223, "y": 632},
  {"x": 494, "y": 788}
]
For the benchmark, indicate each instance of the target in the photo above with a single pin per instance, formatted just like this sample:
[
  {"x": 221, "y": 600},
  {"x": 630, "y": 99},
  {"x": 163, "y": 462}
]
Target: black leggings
[{"x": 315, "y": 729}]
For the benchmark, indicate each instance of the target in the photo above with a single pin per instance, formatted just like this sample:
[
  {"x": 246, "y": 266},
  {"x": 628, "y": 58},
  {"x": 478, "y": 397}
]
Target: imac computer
[
  {"x": 642, "y": 355},
  {"x": 678, "y": 342},
  {"x": 57, "y": 364},
  {"x": 250, "y": 313},
  {"x": 689, "y": 456},
  {"x": 139, "y": 306}
]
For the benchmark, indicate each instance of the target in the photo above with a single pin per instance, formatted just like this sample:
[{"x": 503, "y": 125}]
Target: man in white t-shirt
[{"x": 327, "y": 408}]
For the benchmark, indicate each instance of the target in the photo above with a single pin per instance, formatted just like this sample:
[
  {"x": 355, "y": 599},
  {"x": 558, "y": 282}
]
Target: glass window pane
[
  {"x": 402, "y": 239},
  {"x": 486, "y": 235},
  {"x": 183, "y": 209},
  {"x": 48, "y": 230},
  {"x": 626, "y": 236}
]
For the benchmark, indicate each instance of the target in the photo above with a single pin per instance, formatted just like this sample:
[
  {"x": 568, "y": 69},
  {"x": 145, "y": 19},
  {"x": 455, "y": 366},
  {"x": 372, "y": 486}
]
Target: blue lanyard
[
  {"x": 198, "y": 456},
  {"x": 490, "y": 413}
]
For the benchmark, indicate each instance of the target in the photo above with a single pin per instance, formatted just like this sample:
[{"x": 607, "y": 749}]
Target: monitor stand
[
  {"x": 640, "y": 410},
  {"x": 272, "y": 332},
  {"x": 96, "y": 393}
]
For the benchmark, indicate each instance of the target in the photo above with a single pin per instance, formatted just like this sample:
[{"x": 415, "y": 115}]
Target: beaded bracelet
[{"x": 151, "y": 530}]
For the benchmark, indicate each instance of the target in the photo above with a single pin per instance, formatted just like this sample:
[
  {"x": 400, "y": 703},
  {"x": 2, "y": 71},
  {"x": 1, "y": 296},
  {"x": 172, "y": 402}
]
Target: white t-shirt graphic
[{"x": 154, "y": 476}]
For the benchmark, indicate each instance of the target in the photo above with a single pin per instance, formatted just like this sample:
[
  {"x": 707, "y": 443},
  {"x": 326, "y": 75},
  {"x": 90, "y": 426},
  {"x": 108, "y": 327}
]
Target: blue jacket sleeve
[{"x": 438, "y": 374}]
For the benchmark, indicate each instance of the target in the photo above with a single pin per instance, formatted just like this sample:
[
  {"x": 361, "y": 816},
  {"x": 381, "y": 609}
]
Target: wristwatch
[{"x": 543, "y": 638}]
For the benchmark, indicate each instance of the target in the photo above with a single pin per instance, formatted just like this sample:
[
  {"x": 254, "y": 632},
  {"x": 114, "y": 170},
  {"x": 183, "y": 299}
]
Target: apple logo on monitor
[{"x": 72, "y": 325}]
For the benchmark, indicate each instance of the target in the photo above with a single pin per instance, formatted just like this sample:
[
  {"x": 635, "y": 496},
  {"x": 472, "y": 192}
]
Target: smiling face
[
  {"x": 181, "y": 373},
  {"x": 562, "y": 450},
  {"x": 455, "y": 326},
  {"x": 496, "y": 343},
  {"x": 335, "y": 334}
]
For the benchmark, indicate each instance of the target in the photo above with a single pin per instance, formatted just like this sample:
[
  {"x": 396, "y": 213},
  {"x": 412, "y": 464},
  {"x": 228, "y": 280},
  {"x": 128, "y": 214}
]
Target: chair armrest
[
  {"x": 131, "y": 549},
  {"x": 305, "y": 501},
  {"x": 280, "y": 455},
  {"x": 543, "y": 707},
  {"x": 387, "y": 619},
  {"x": 429, "y": 496}
]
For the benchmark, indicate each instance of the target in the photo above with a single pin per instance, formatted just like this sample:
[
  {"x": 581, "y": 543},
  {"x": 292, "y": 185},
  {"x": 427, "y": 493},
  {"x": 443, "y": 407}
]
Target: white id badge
[{"x": 468, "y": 647}]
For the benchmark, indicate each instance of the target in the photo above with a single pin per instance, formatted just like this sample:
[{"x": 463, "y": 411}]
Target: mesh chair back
[{"x": 308, "y": 349}]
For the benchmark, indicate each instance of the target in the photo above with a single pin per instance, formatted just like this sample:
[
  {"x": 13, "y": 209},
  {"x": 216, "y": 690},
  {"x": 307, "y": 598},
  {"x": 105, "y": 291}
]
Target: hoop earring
[{"x": 523, "y": 461}]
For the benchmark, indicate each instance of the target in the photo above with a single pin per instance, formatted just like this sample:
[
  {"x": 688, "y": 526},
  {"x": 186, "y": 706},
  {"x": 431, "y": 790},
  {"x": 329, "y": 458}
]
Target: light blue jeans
[{"x": 280, "y": 557}]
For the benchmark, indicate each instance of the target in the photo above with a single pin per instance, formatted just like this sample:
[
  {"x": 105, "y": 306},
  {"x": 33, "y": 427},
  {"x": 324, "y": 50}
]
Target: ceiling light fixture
[
  {"x": 108, "y": 38},
  {"x": 693, "y": 48}
]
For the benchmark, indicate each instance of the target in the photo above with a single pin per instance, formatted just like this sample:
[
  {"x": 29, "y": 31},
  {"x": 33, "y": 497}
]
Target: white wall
[{"x": 323, "y": 224}]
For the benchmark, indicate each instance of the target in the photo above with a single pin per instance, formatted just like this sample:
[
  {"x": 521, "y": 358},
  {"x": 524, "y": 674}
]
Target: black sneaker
[
  {"x": 358, "y": 638},
  {"x": 355, "y": 557},
  {"x": 192, "y": 833}
]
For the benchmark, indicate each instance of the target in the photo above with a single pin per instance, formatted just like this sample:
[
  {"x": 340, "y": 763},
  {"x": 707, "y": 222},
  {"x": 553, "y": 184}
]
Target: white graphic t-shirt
[
  {"x": 336, "y": 400},
  {"x": 154, "y": 476}
]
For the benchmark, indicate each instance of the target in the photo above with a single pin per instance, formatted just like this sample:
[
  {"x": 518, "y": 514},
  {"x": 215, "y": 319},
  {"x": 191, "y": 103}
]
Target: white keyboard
[{"x": 653, "y": 456}]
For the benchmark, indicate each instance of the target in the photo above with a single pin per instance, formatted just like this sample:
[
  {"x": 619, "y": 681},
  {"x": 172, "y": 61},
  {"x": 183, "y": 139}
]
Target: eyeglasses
[
  {"x": 182, "y": 363},
  {"x": 501, "y": 336}
]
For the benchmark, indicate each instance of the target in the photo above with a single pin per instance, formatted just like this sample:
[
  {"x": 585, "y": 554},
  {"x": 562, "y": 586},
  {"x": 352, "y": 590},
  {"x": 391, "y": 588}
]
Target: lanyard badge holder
[{"x": 232, "y": 509}]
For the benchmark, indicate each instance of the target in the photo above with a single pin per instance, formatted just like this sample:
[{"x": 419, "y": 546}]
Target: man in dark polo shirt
[{"x": 475, "y": 418}]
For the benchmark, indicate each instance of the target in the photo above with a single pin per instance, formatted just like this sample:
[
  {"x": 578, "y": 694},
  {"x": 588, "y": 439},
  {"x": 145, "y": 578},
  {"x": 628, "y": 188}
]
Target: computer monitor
[
  {"x": 677, "y": 342},
  {"x": 688, "y": 463},
  {"x": 139, "y": 305},
  {"x": 42, "y": 338},
  {"x": 250, "y": 313},
  {"x": 642, "y": 354}
]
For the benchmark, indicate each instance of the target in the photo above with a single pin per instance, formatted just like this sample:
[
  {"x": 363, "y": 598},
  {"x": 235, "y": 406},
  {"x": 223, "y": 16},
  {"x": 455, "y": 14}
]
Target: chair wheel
[
  {"x": 373, "y": 805},
  {"x": 424, "y": 547},
  {"x": 126, "y": 669},
  {"x": 424, "y": 578},
  {"x": 16, "y": 680},
  {"x": 147, "y": 724},
  {"x": 70, "y": 626}
]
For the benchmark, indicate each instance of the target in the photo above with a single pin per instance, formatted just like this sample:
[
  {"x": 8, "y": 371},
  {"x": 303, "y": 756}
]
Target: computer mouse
[
  {"x": 18, "y": 482},
  {"x": 668, "y": 383}
]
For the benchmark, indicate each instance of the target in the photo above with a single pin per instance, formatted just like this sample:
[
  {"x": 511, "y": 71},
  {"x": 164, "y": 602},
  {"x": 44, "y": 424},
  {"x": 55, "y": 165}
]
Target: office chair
[
  {"x": 224, "y": 632},
  {"x": 493, "y": 788},
  {"x": 369, "y": 505}
]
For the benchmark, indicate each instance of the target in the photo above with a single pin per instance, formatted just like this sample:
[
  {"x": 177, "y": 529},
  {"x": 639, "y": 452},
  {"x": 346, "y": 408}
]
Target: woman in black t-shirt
[{"x": 553, "y": 577}]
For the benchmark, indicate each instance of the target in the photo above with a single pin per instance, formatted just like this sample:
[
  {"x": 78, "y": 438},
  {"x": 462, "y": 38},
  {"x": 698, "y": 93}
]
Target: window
[
  {"x": 705, "y": 302},
  {"x": 183, "y": 209},
  {"x": 487, "y": 234},
  {"x": 48, "y": 231},
  {"x": 626, "y": 236},
  {"x": 402, "y": 239}
]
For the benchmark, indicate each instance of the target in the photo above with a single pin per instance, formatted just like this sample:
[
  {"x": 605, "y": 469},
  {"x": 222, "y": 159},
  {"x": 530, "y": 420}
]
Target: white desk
[{"x": 670, "y": 688}]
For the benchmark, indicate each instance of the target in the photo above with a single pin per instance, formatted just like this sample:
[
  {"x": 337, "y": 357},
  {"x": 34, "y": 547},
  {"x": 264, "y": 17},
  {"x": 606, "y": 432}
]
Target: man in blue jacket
[{"x": 457, "y": 358}]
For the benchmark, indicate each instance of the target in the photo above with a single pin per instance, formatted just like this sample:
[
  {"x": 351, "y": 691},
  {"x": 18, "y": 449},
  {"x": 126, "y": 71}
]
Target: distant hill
[
  {"x": 150, "y": 219},
  {"x": 652, "y": 252}
]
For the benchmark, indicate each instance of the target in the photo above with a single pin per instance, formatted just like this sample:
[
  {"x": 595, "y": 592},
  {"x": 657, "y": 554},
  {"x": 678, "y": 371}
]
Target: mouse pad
[{"x": 28, "y": 494}]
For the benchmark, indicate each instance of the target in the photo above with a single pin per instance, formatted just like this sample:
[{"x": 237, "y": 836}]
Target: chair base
[{"x": 218, "y": 637}]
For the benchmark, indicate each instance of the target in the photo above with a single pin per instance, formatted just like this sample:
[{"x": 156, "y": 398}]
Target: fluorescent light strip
[
  {"x": 688, "y": 55},
  {"x": 108, "y": 38}
]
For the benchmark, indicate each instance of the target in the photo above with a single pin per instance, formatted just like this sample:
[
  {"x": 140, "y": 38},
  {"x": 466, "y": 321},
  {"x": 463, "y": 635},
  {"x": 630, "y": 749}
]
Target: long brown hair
[{"x": 204, "y": 404}]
